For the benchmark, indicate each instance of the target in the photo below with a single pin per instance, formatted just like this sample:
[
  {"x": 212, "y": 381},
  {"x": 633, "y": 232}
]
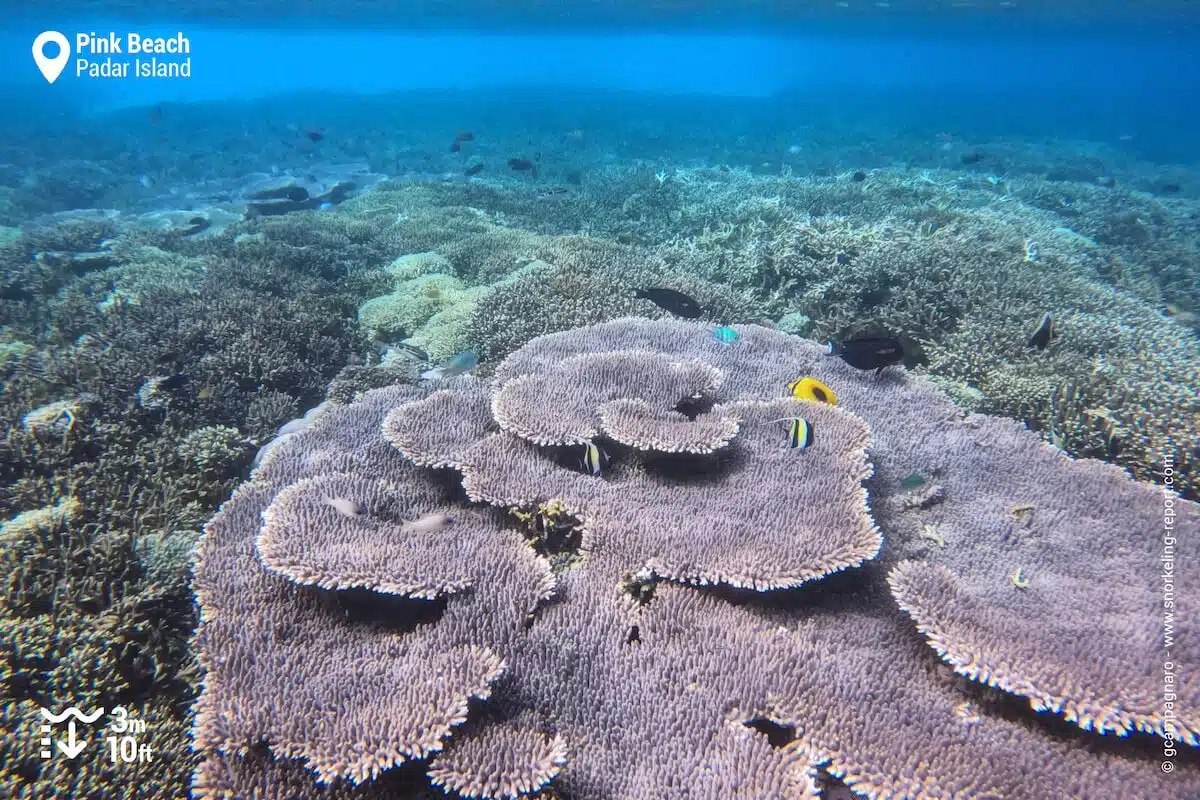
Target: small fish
[
  {"x": 156, "y": 115},
  {"x": 594, "y": 459},
  {"x": 296, "y": 194},
  {"x": 347, "y": 508},
  {"x": 429, "y": 523},
  {"x": 1044, "y": 333},
  {"x": 912, "y": 481},
  {"x": 973, "y": 157},
  {"x": 172, "y": 383},
  {"x": 384, "y": 348},
  {"x": 206, "y": 393},
  {"x": 522, "y": 165},
  {"x": 725, "y": 335},
  {"x": 146, "y": 181},
  {"x": 315, "y": 134},
  {"x": 677, "y": 303},
  {"x": 196, "y": 225},
  {"x": 464, "y": 136},
  {"x": 473, "y": 170},
  {"x": 1018, "y": 578},
  {"x": 812, "y": 389},
  {"x": 462, "y": 363},
  {"x": 859, "y": 176},
  {"x": 800, "y": 431},
  {"x": 869, "y": 352},
  {"x": 553, "y": 193}
]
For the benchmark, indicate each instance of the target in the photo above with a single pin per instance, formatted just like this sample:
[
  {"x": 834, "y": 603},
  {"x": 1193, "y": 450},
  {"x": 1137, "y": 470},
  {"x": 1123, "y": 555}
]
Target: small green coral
[
  {"x": 214, "y": 448},
  {"x": 794, "y": 323},
  {"x": 427, "y": 305},
  {"x": 444, "y": 334},
  {"x": 166, "y": 558},
  {"x": 414, "y": 265},
  {"x": 409, "y": 306}
]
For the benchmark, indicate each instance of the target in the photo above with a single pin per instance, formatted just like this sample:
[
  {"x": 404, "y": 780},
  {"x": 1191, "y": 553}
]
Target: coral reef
[
  {"x": 154, "y": 337},
  {"x": 949, "y": 265},
  {"x": 131, "y": 411},
  {"x": 615, "y": 673},
  {"x": 576, "y": 281}
]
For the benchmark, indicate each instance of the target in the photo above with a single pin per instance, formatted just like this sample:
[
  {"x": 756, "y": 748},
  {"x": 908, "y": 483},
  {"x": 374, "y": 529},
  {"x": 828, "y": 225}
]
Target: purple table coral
[{"x": 715, "y": 615}]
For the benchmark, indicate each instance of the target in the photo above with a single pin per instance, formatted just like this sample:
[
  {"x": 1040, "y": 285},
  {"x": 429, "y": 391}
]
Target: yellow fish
[{"x": 812, "y": 389}]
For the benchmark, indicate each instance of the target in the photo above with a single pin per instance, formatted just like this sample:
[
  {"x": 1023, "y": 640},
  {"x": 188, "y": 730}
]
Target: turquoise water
[{"x": 212, "y": 255}]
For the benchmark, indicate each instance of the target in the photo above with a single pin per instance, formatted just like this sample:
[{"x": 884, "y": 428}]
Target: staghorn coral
[
  {"x": 42, "y": 520},
  {"x": 619, "y": 688},
  {"x": 1118, "y": 370},
  {"x": 946, "y": 261},
  {"x": 267, "y": 410},
  {"x": 96, "y": 602}
]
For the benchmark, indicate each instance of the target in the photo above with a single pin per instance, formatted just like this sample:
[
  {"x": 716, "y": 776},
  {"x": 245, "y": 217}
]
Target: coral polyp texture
[{"x": 708, "y": 612}]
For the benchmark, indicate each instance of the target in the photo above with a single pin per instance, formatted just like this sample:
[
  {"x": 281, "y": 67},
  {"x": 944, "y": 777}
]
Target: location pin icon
[{"x": 51, "y": 67}]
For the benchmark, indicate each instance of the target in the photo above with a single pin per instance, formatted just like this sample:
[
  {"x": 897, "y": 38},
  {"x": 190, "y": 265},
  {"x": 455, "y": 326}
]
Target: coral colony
[{"x": 713, "y": 584}]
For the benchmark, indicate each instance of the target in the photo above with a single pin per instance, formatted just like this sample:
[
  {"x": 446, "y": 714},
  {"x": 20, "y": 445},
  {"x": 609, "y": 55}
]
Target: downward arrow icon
[{"x": 72, "y": 748}]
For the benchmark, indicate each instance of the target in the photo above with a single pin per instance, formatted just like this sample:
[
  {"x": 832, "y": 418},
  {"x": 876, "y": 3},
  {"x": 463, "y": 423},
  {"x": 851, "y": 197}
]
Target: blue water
[{"x": 1076, "y": 80}]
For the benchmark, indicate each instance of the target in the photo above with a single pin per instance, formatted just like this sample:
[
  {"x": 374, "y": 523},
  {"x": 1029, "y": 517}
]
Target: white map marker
[{"x": 51, "y": 67}]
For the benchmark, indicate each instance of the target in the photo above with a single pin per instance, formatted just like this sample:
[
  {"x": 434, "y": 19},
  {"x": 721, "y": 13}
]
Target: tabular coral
[{"x": 621, "y": 678}]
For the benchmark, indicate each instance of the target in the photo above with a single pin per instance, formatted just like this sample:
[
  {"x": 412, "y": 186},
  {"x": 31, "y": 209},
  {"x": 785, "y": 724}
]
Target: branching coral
[
  {"x": 951, "y": 266},
  {"x": 103, "y": 497},
  {"x": 578, "y": 280}
]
